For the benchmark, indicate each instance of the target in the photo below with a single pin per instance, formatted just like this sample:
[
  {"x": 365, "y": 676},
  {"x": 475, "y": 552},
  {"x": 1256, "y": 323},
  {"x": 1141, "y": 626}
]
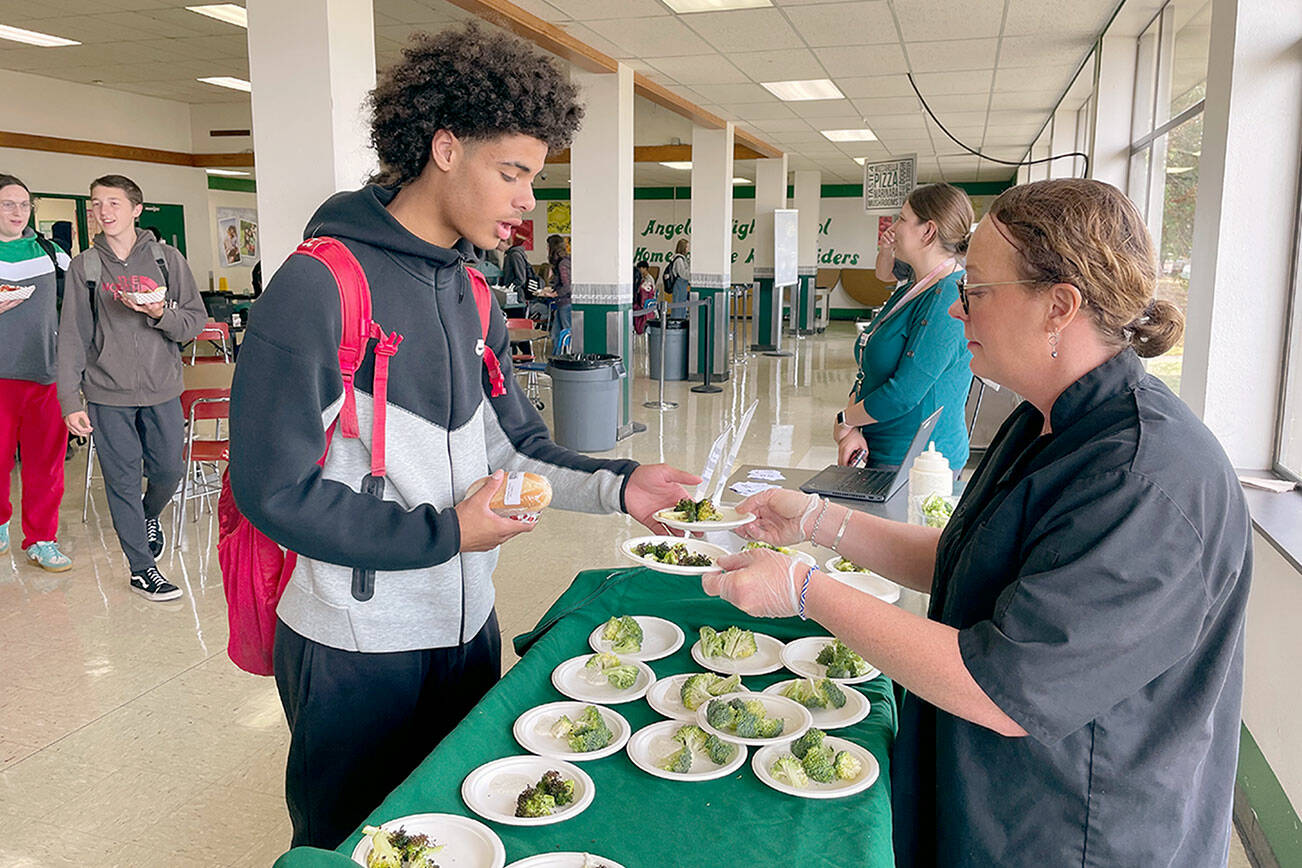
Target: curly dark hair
[{"x": 473, "y": 83}]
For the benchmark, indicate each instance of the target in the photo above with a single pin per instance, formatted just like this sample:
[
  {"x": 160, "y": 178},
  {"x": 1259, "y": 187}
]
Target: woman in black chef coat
[{"x": 1074, "y": 693}]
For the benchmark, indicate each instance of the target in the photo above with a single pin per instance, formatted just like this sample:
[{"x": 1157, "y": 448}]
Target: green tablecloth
[{"x": 637, "y": 819}]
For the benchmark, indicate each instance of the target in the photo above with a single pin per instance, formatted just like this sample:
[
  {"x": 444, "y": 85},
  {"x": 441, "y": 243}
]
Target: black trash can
[
  {"x": 585, "y": 400},
  {"x": 675, "y": 349}
]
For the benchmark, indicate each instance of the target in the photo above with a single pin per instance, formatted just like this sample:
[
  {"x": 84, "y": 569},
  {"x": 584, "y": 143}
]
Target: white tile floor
[{"x": 128, "y": 739}]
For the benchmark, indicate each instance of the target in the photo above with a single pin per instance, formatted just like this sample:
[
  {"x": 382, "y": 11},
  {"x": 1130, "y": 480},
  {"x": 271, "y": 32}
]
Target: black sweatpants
[
  {"x": 131, "y": 441},
  {"x": 359, "y": 724}
]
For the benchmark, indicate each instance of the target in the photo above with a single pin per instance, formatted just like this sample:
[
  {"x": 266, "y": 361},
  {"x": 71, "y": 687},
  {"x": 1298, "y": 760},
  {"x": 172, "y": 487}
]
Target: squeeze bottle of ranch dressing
[{"x": 930, "y": 474}]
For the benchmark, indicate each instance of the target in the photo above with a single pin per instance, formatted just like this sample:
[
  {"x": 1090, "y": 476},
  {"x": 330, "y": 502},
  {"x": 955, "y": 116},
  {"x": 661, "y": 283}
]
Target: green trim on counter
[{"x": 1275, "y": 814}]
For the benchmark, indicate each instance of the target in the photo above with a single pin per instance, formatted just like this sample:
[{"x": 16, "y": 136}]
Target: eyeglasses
[
  {"x": 964, "y": 286},
  {"x": 15, "y": 207}
]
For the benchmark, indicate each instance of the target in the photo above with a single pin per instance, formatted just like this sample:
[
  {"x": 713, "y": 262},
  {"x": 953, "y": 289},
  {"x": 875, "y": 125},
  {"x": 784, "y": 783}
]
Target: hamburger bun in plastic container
[{"x": 521, "y": 496}]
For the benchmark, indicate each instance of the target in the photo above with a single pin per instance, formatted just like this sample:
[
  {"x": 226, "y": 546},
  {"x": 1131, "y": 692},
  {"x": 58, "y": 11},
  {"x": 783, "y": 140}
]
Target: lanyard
[{"x": 914, "y": 291}]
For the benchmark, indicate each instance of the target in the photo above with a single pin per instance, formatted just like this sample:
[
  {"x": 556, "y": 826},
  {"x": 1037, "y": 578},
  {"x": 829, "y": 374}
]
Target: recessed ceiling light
[
  {"x": 31, "y": 37},
  {"x": 230, "y": 172},
  {"x": 678, "y": 165},
  {"x": 860, "y": 135},
  {"x": 800, "y": 90},
  {"x": 228, "y": 12},
  {"x": 684, "y": 6},
  {"x": 228, "y": 81},
  {"x": 860, "y": 160},
  {"x": 742, "y": 181}
]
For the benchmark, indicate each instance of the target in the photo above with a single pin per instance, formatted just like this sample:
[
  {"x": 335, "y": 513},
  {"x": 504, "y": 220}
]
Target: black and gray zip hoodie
[{"x": 443, "y": 432}]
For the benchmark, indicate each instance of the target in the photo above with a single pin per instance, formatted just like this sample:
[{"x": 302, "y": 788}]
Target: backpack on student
[
  {"x": 255, "y": 569},
  {"x": 94, "y": 268},
  {"x": 673, "y": 273},
  {"x": 53, "y": 252}
]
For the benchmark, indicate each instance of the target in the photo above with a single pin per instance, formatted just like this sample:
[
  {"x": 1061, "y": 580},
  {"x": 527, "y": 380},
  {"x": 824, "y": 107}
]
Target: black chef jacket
[{"x": 1098, "y": 577}]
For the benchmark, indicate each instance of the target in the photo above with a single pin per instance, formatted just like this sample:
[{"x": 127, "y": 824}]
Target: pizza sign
[{"x": 888, "y": 183}]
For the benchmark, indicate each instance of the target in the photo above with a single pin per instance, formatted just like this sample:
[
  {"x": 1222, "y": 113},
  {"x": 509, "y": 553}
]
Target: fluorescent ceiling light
[
  {"x": 685, "y": 166},
  {"x": 798, "y": 91},
  {"x": 228, "y": 12},
  {"x": 742, "y": 181},
  {"x": 860, "y": 160},
  {"x": 683, "y": 6},
  {"x": 230, "y": 172},
  {"x": 31, "y": 37},
  {"x": 859, "y": 135},
  {"x": 228, "y": 81}
]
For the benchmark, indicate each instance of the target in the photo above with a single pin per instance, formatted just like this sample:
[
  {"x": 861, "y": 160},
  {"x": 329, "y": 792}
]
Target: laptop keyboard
[{"x": 867, "y": 484}]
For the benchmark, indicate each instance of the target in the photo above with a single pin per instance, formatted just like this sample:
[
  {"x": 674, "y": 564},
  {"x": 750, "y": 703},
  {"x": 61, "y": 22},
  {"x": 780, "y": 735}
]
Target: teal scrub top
[{"x": 915, "y": 362}]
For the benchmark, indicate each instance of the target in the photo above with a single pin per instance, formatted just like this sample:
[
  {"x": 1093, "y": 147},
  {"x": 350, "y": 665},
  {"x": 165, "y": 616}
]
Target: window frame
[{"x": 1292, "y": 355}]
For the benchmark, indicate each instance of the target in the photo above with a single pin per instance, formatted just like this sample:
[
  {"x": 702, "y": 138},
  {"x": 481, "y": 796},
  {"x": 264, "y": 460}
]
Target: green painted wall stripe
[
  {"x": 1275, "y": 814},
  {"x": 239, "y": 185},
  {"x": 747, "y": 191}
]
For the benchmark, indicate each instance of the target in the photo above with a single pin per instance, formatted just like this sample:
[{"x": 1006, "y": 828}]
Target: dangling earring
[{"x": 1053, "y": 345}]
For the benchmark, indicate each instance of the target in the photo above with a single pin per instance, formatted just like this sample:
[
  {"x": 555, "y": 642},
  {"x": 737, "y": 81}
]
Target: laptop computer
[{"x": 876, "y": 486}]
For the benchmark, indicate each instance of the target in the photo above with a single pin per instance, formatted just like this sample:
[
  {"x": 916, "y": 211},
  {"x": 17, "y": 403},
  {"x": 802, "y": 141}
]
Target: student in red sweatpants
[{"x": 30, "y": 419}]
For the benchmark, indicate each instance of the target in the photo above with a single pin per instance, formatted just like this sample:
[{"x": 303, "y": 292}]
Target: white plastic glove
[
  {"x": 760, "y": 582},
  {"x": 782, "y": 517}
]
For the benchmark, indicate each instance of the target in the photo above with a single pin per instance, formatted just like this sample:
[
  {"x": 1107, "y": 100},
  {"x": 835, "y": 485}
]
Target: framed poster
[
  {"x": 887, "y": 184},
  {"x": 237, "y": 237}
]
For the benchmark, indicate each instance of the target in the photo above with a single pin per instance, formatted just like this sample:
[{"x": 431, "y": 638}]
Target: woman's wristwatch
[{"x": 840, "y": 420}]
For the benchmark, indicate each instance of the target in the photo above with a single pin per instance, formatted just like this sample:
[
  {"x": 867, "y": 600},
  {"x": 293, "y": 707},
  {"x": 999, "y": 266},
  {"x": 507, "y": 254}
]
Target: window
[
  {"x": 1288, "y": 461},
  {"x": 1166, "y": 133}
]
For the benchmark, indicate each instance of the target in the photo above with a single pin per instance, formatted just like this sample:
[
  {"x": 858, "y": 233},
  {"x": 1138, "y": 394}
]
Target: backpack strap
[
  {"x": 484, "y": 301},
  {"x": 94, "y": 270},
  {"x": 156, "y": 251}
]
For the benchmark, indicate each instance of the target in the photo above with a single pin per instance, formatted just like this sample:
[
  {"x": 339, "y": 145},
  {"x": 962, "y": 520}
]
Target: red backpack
[{"x": 255, "y": 569}]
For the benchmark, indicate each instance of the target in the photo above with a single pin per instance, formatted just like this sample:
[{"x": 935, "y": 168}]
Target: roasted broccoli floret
[
  {"x": 589, "y": 732},
  {"x": 720, "y": 714},
  {"x": 602, "y": 660},
  {"x": 397, "y": 849},
  {"x": 679, "y": 762},
  {"x": 533, "y": 802},
  {"x": 832, "y": 692},
  {"x": 818, "y": 764},
  {"x": 738, "y": 644},
  {"x": 748, "y": 724},
  {"x": 804, "y": 692},
  {"x": 770, "y": 727},
  {"x": 731, "y": 684},
  {"x": 625, "y": 633},
  {"x": 718, "y": 750},
  {"x": 562, "y": 727},
  {"x": 754, "y": 706},
  {"x": 561, "y": 790},
  {"x": 705, "y": 511},
  {"x": 590, "y": 718},
  {"x": 696, "y": 690},
  {"x": 840, "y": 661},
  {"x": 621, "y": 677},
  {"x": 811, "y": 739},
  {"x": 789, "y": 770},
  {"x": 691, "y": 736},
  {"x": 686, "y": 508},
  {"x": 846, "y": 765},
  {"x": 711, "y": 642}
]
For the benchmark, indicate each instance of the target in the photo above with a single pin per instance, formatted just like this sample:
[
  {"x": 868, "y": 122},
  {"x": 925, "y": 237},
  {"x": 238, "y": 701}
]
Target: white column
[
  {"x": 770, "y": 195},
  {"x": 1063, "y": 141},
  {"x": 601, "y": 198},
  {"x": 711, "y": 239},
  {"x": 311, "y": 64},
  {"x": 1242, "y": 261},
  {"x": 1114, "y": 99},
  {"x": 809, "y": 195}
]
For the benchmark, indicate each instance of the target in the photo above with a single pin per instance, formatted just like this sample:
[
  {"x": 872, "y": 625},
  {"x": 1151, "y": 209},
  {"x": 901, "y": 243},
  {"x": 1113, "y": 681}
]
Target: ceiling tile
[
  {"x": 596, "y": 40},
  {"x": 744, "y": 30},
  {"x": 1035, "y": 17},
  {"x": 892, "y": 105},
  {"x": 735, "y": 93},
  {"x": 872, "y": 86},
  {"x": 541, "y": 8},
  {"x": 701, "y": 69},
  {"x": 651, "y": 37},
  {"x": 1047, "y": 50},
  {"x": 944, "y": 19},
  {"x": 1036, "y": 99},
  {"x": 784, "y": 65},
  {"x": 829, "y": 24},
  {"x": 825, "y": 108},
  {"x": 972, "y": 81},
  {"x": 782, "y": 125},
  {"x": 1016, "y": 80},
  {"x": 589, "y": 10},
  {"x": 952, "y": 55},
  {"x": 944, "y": 104},
  {"x": 853, "y": 61},
  {"x": 762, "y": 111}
]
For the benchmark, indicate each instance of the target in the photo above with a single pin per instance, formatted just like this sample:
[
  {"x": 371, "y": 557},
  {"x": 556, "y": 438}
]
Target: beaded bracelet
[
  {"x": 818, "y": 521},
  {"x": 804, "y": 588}
]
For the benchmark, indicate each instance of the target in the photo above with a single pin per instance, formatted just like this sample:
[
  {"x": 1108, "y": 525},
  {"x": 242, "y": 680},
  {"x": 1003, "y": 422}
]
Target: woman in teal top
[{"x": 913, "y": 357}]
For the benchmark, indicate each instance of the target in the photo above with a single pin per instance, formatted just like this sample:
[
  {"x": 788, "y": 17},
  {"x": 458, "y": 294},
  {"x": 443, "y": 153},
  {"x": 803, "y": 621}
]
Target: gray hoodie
[{"x": 130, "y": 359}]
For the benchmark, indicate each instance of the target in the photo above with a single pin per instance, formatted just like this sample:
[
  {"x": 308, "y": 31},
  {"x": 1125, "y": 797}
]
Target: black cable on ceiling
[{"x": 977, "y": 153}]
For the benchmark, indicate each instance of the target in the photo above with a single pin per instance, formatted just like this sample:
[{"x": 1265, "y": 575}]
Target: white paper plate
[
  {"x": 571, "y": 679},
  {"x": 467, "y": 843},
  {"x": 856, "y": 708},
  {"x": 666, "y": 697},
  {"x": 870, "y": 583},
  {"x": 800, "y": 655},
  {"x": 695, "y": 546},
  {"x": 660, "y": 638},
  {"x": 16, "y": 293},
  {"x": 533, "y": 731},
  {"x": 566, "y": 860},
  {"x": 767, "y": 658},
  {"x": 152, "y": 297},
  {"x": 729, "y": 519},
  {"x": 652, "y": 743},
  {"x": 765, "y": 757},
  {"x": 803, "y": 557},
  {"x": 492, "y": 789},
  {"x": 797, "y": 718}
]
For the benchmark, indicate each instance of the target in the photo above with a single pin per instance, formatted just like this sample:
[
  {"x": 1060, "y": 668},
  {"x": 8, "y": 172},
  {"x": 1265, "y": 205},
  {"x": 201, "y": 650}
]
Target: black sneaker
[
  {"x": 157, "y": 540},
  {"x": 151, "y": 585}
]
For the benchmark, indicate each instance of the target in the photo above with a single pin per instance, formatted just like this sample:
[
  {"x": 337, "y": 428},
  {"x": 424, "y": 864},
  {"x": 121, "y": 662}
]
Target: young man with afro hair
[{"x": 462, "y": 126}]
